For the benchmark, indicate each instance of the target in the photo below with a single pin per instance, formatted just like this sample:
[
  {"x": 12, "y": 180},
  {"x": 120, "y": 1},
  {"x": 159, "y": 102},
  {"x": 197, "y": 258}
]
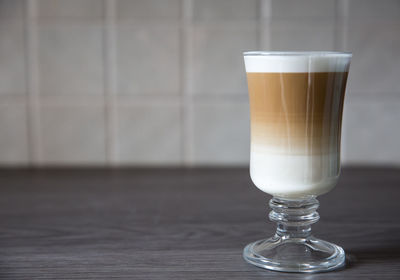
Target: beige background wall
[{"x": 162, "y": 82}]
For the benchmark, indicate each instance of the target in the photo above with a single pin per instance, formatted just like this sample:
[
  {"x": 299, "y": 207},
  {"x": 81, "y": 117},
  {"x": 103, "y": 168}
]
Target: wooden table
[{"x": 180, "y": 224}]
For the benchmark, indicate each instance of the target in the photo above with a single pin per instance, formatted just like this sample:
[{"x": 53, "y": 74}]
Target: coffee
[{"x": 296, "y": 105}]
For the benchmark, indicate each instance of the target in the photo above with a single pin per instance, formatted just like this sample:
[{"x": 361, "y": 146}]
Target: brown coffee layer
[{"x": 297, "y": 113}]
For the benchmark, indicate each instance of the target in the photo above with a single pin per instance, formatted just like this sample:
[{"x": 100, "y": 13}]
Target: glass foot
[
  {"x": 293, "y": 248},
  {"x": 295, "y": 254}
]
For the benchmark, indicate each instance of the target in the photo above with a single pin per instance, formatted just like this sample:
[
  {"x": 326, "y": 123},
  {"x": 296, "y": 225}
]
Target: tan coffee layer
[{"x": 297, "y": 113}]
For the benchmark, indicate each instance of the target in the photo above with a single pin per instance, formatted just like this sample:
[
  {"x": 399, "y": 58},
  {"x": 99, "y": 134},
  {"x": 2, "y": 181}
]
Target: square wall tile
[
  {"x": 291, "y": 9},
  {"x": 204, "y": 10},
  {"x": 73, "y": 135},
  {"x": 384, "y": 9},
  {"x": 148, "y": 59},
  {"x": 375, "y": 66},
  {"x": 372, "y": 134},
  {"x": 82, "y": 9},
  {"x": 290, "y": 35},
  {"x": 12, "y": 63},
  {"x": 149, "y": 134},
  {"x": 70, "y": 59},
  {"x": 149, "y": 9},
  {"x": 11, "y": 9},
  {"x": 353, "y": 96},
  {"x": 221, "y": 133},
  {"x": 14, "y": 138},
  {"x": 217, "y": 58}
]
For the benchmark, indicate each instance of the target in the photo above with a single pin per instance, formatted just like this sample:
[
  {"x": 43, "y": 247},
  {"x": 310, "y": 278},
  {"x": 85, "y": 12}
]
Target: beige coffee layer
[{"x": 296, "y": 113}]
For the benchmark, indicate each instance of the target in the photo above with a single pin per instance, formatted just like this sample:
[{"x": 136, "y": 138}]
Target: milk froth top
[{"x": 296, "y": 62}]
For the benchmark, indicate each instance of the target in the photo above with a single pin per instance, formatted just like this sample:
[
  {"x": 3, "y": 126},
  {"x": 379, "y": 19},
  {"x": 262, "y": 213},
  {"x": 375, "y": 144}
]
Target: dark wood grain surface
[{"x": 180, "y": 224}]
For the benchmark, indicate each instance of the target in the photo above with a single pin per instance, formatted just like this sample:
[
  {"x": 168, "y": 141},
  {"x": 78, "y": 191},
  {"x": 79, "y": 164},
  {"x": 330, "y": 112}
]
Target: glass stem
[{"x": 294, "y": 217}]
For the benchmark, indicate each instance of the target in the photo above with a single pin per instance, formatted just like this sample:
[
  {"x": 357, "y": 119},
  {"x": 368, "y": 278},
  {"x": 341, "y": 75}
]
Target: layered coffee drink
[{"x": 296, "y": 104}]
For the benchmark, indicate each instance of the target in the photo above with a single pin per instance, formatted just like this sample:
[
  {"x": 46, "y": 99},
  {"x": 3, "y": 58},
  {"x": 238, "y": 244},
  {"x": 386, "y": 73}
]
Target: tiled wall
[{"x": 162, "y": 82}]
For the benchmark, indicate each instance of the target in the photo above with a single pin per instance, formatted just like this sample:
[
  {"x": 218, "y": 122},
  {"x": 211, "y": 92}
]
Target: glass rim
[{"x": 298, "y": 53}]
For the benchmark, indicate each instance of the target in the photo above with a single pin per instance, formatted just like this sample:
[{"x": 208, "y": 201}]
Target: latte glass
[{"x": 296, "y": 105}]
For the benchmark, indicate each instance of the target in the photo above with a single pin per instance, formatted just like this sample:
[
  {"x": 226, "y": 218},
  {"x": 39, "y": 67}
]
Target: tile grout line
[
  {"x": 109, "y": 54},
  {"x": 265, "y": 18},
  {"x": 344, "y": 30},
  {"x": 346, "y": 23},
  {"x": 336, "y": 34},
  {"x": 32, "y": 76},
  {"x": 341, "y": 16},
  {"x": 341, "y": 29},
  {"x": 185, "y": 73},
  {"x": 258, "y": 25}
]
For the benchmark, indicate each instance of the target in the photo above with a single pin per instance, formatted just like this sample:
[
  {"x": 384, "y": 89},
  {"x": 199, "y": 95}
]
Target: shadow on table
[{"x": 372, "y": 255}]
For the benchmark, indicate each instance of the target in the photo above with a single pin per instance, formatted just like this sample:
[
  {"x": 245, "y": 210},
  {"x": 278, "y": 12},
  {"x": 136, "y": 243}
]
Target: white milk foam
[
  {"x": 281, "y": 173},
  {"x": 257, "y": 62}
]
